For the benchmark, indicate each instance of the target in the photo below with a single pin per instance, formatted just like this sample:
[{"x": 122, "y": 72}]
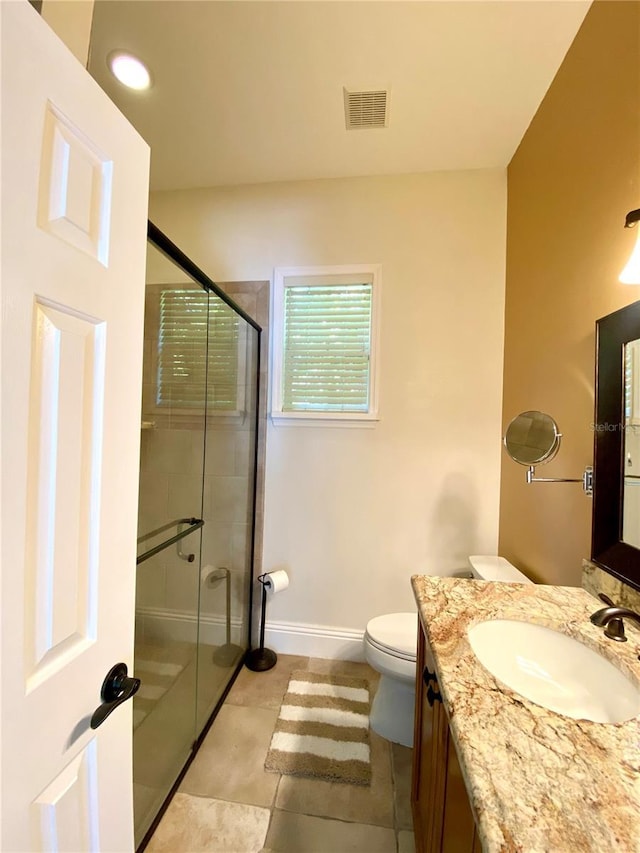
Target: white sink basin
[{"x": 555, "y": 671}]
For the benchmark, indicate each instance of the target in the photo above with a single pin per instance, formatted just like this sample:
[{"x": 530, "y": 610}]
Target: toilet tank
[{"x": 490, "y": 568}]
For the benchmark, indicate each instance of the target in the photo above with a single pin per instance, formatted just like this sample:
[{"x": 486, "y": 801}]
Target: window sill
[{"x": 326, "y": 419}]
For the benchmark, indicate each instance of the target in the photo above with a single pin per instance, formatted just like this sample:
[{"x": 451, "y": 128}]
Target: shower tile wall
[
  {"x": 171, "y": 481},
  {"x": 170, "y": 487},
  {"x": 171, "y": 469},
  {"x": 226, "y": 511}
]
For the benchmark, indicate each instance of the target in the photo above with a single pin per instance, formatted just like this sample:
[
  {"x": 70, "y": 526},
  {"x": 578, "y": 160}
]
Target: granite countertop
[{"x": 537, "y": 781}]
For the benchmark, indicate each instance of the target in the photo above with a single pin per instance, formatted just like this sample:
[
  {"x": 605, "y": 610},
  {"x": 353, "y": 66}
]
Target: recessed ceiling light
[{"x": 129, "y": 70}]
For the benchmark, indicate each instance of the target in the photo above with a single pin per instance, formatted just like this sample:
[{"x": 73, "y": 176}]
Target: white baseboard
[
  {"x": 287, "y": 638},
  {"x": 182, "y": 626},
  {"x": 317, "y": 641}
]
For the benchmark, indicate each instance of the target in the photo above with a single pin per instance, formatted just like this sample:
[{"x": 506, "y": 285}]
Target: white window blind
[
  {"x": 327, "y": 348},
  {"x": 183, "y": 351}
]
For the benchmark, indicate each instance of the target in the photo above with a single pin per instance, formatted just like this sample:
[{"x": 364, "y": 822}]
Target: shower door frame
[{"x": 160, "y": 240}]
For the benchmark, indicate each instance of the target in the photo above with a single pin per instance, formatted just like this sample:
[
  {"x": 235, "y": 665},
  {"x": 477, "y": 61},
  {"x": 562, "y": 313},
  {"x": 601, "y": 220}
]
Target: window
[
  {"x": 324, "y": 343},
  {"x": 189, "y": 361}
]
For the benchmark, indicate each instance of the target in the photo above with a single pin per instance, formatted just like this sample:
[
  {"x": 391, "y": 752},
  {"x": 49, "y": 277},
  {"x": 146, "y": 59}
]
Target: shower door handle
[{"x": 116, "y": 689}]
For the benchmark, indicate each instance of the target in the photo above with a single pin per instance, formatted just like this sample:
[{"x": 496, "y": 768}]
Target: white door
[{"x": 74, "y": 207}]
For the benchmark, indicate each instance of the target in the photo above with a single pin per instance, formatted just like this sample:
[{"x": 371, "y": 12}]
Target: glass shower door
[
  {"x": 170, "y": 506},
  {"x": 195, "y": 518},
  {"x": 228, "y": 507}
]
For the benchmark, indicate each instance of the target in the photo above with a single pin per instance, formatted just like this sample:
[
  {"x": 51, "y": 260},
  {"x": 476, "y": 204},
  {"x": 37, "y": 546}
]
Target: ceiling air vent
[{"x": 366, "y": 109}]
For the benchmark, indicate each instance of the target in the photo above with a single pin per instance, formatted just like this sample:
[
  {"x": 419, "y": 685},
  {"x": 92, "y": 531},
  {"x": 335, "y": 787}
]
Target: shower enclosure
[{"x": 196, "y": 515}]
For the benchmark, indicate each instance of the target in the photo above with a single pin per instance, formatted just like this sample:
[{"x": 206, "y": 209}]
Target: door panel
[
  {"x": 75, "y": 187},
  {"x": 63, "y": 814},
  {"x": 65, "y": 452},
  {"x": 74, "y": 207}
]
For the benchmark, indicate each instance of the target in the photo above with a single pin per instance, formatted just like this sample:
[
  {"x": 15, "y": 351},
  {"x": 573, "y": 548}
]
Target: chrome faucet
[{"x": 610, "y": 618}]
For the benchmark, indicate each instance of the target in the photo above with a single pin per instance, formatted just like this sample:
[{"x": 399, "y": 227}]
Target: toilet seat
[
  {"x": 394, "y": 634},
  {"x": 394, "y": 653}
]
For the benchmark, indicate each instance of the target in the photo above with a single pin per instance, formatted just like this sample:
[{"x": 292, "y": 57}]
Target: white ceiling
[{"x": 248, "y": 92}]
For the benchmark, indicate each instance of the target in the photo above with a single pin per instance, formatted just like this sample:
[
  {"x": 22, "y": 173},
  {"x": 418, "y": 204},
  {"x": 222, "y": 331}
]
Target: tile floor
[{"x": 228, "y": 802}]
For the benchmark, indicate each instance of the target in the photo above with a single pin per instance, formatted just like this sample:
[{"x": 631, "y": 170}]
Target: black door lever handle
[{"x": 116, "y": 689}]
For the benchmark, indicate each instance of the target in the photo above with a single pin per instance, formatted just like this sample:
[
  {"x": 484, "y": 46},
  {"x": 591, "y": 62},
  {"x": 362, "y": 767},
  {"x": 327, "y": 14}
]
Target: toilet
[{"x": 390, "y": 648}]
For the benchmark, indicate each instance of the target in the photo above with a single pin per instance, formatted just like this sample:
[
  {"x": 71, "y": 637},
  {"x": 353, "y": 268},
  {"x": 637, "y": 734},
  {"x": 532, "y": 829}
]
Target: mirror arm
[{"x": 586, "y": 479}]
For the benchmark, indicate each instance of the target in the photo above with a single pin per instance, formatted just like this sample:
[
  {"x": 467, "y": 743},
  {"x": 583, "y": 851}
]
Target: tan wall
[
  {"x": 570, "y": 184},
  {"x": 71, "y": 21},
  {"x": 352, "y": 513}
]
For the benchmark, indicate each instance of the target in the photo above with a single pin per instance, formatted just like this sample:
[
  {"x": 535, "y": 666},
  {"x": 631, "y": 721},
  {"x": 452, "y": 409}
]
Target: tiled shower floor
[{"x": 228, "y": 803}]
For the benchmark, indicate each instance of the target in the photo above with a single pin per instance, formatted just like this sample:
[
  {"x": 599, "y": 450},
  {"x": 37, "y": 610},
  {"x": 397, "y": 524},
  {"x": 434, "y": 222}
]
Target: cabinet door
[
  {"x": 430, "y": 755},
  {"x": 458, "y": 823},
  {"x": 421, "y": 781},
  {"x": 477, "y": 846},
  {"x": 443, "y": 819}
]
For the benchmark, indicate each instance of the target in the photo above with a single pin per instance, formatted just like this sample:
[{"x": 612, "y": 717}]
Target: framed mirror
[{"x": 615, "y": 542}]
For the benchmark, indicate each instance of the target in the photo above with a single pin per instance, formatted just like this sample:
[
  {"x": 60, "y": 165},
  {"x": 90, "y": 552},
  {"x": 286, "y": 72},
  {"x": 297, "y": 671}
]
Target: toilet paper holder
[{"x": 261, "y": 659}]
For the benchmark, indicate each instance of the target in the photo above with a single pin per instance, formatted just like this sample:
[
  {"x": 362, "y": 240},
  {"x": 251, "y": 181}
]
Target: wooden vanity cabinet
[{"x": 442, "y": 817}]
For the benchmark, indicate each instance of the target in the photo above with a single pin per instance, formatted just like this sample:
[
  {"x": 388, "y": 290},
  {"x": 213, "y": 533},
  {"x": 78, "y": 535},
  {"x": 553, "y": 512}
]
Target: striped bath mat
[{"x": 323, "y": 729}]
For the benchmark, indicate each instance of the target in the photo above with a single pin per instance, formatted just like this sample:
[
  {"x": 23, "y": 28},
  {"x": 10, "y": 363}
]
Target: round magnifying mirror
[{"x": 532, "y": 438}]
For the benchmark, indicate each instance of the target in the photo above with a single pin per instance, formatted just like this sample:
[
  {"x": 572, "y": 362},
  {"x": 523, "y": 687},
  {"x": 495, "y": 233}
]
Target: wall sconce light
[{"x": 631, "y": 273}]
